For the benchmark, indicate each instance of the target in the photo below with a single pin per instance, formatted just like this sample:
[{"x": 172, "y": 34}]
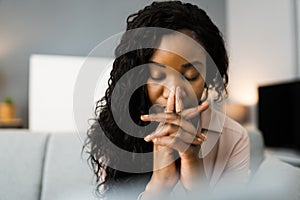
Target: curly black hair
[{"x": 173, "y": 15}]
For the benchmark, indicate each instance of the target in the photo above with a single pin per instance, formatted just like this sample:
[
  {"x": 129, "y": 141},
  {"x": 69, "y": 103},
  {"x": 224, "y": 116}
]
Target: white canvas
[{"x": 51, "y": 86}]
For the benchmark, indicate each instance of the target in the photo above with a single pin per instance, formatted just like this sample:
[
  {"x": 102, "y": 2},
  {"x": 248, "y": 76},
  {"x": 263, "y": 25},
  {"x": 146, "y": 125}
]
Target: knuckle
[{"x": 175, "y": 140}]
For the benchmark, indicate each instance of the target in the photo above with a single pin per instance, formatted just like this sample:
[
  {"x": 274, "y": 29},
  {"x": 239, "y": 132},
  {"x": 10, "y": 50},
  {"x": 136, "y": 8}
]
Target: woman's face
[{"x": 186, "y": 68}]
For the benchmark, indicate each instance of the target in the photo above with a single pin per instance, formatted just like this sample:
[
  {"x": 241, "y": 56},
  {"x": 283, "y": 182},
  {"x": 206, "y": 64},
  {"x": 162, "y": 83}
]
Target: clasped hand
[{"x": 175, "y": 133}]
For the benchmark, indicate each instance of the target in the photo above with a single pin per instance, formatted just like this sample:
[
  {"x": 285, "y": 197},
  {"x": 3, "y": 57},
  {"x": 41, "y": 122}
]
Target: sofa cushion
[
  {"x": 275, "y": 180},
  {"x": 66, "y": 175},
  {"x": 21, "y": 156}
]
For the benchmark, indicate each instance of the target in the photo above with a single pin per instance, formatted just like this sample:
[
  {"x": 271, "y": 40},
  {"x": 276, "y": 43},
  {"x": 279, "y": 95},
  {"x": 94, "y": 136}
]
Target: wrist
[
  {"x": 193, "y": 174},
  {"x": 154, "y": 191},
  {"x": 190, "y": 161},
  {"x": 160, "y": 185}
]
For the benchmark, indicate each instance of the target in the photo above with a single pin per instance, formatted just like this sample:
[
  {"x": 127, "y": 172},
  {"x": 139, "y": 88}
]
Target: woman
[{"x": 170, "y": 106}]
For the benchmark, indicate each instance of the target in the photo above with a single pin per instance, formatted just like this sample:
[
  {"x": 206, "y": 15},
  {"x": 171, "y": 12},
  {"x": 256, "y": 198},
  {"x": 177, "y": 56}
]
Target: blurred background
[
  {"x": 262, "y": 38},
  {"x": 68, "y": 27},
  {"x": 43, "y": 45}
]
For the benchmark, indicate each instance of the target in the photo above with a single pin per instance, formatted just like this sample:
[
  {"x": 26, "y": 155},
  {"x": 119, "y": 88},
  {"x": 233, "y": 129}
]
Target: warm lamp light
[{"x": 244, "y": 93}]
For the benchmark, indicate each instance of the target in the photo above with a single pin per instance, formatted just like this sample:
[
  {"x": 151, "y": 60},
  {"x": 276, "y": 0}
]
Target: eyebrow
[
  {"x": 187, "y": 65},
  {"x": 158, "y": 64}
]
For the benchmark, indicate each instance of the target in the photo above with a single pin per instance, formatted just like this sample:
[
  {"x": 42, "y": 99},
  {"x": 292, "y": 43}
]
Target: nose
[
  {"x": 166, "y": 91},
  {"x": 172, "y": 82}
]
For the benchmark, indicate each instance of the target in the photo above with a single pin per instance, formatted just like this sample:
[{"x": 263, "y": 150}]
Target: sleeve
[{"x": 236, "y": 173}]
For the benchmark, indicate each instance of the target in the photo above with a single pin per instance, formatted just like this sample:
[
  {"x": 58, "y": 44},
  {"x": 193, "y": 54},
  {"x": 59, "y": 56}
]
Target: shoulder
[
  {"x": 231, "y": 135},
  {"x": 234, "y": 135},
  {"x": 234, "y": 147},
  {"x": 232, "y": 155},
  {"x": 217, "y": 121},
  {"x": 233, "y": 129}
]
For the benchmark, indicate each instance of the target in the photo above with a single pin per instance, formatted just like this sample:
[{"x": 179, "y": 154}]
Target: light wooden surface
[{"x": 13, "y": 123}]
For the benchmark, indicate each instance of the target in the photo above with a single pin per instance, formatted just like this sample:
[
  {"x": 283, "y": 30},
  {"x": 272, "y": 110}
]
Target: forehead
[{"x": 180, "y": 45}]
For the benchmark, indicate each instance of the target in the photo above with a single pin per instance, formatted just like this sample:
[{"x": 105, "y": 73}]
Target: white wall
[
  {"x": 261, "y": 39},
  {"x": 297, "y": 10}
]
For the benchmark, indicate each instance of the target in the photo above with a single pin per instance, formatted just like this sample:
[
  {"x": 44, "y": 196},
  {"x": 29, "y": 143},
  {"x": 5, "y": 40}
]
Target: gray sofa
[{"x": 39, "y": 166}]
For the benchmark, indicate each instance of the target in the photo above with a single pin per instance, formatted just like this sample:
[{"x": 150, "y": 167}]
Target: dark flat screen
[{"x": 279, "y": 114}]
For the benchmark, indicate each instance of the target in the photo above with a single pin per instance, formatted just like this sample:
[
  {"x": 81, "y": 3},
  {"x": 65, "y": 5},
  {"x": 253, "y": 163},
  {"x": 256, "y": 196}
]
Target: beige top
[{"x": 226, "y": 152}]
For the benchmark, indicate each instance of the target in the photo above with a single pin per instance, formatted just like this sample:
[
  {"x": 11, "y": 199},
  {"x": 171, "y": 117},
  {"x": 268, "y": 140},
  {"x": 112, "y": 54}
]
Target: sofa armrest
[
  {"x": 256, "y": 149},
  {"x": 21, "y": 168}
]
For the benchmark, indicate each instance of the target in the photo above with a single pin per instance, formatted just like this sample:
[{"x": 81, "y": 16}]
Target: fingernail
[
  {"x": 178, "y": 100},
  {"x": 144, "y": 117},
  {"x": 202, "y": 106},
  {"x": 154, "y": 140},
  {"x": 204, "y": 103},
  {"x": 173, "y": 89},
  {"x": 178, "y": 90},
  {"x": 199, "y": 139},
  {"x": 203, "y": 135},
  {"x": 147, "y": 138}
]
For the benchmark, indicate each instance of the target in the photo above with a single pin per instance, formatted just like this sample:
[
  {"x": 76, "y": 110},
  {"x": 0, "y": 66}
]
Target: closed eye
[
  {"x": 192, "y": 78},
  {"x": 158, "y": 76}
]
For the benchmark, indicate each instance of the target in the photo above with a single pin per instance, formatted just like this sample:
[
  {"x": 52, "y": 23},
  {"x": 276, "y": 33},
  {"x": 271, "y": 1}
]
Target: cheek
[
  {"x": 198, "y": 89},
  {"x": 154, "y": 92}
]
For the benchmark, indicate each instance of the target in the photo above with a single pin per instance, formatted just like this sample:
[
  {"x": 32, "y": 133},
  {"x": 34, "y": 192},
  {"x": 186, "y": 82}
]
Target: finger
[
  {"x": 163, "y": 131},
  {"x": 160, "y": 117},
  {"x": 188, "y": 138},
  {"x": 172, "y": 119},
  {"x": 201, "y": 136},
  {"x": 174, "y": 131},
  {"x": 192, "y": 112},
  {"x": 187, "y": 114},
  {"x": 170, "y": 101},
  {"x": 171, "y": 142},
  {"x": 178, "y": 101},
  {"x": 169, "y": 129}
]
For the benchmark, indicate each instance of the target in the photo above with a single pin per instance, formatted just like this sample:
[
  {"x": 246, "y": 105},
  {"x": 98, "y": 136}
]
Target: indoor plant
[{"x": 7, "y": 110}]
